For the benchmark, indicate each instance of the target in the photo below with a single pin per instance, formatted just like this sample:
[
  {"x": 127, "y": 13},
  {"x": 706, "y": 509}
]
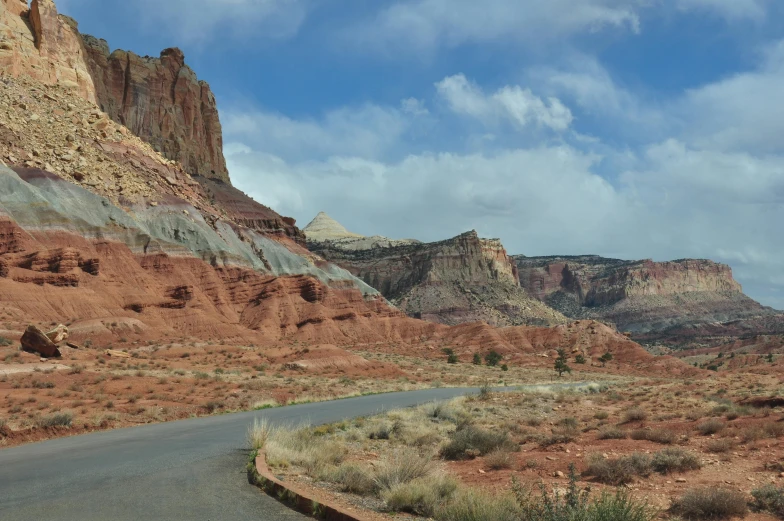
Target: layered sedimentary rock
[
  {"x": 460, "y": 280},
  {"x": 674, "y": 300},
  {"x": 163, "y": 102},
  {"x": 158, "y": 99}
]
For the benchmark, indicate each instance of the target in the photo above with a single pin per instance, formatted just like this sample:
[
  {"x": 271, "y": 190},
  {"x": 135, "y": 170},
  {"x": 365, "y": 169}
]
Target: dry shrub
[
  {"x": 773, "y": 429},
  {"x": 712, "y": 426},
  {"x": 663, "y": 436},
  {"x": 769, "y": 498},
  {"x": 558, "y": 436},
  {"x": 353, "y": 478},
  {"x": 711, "y": 503},
  {"x": 473, "y": 505},
  {"x": 675, "y": 459},
  {"x": 719, "y": 446},
  {"x": 619, "y": 471},
  {"x": 635, "y": 414},
  {"x": 62, "y": 419},
  {"x": 611, "y": 433},
  {"x": 402, "y": 467},
  {"x": 421, "y": 496},
  {"x": 472, "y": 441},
  {"x": 499, "y": 460}
]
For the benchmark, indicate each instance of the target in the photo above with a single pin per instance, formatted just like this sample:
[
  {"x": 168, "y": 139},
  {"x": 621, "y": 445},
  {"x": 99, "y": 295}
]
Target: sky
[{"x": 626, "y": 128}]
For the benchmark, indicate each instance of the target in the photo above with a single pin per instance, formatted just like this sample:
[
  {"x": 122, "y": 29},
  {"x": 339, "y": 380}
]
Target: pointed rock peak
[{"x": 325, "y": 228}]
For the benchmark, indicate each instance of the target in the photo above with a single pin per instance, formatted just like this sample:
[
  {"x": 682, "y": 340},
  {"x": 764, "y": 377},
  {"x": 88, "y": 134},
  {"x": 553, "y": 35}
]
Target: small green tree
[
  {"x": 477, "y": 359},
  {"x": 561, "y": 365},
  {"x": 606, "y": 357},
  {"x": 452, "y": 359},
  {"x": 493, "y": 358},
  {"x": 579, "y": 359},
  {"x": 504, "y": 367},
  {"x": 770, "y": 357}
]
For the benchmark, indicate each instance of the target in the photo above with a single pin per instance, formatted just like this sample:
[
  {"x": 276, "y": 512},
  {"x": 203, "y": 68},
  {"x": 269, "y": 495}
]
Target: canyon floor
[{"x": 656, "y": 439}]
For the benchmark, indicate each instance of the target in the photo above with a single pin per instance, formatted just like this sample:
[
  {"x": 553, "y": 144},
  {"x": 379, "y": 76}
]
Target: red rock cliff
[
  {"x": 162, "y": 101},
  {"x": 159, "y": 99}
]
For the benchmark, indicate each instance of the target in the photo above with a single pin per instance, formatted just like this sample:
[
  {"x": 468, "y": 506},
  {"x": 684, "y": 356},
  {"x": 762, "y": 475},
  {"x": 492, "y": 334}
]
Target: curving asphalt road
[{"x": 190, "y": 470}]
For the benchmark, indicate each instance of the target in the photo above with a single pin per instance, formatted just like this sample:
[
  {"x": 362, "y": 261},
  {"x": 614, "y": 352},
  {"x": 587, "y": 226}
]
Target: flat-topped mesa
[
  {"x": 649, "y": 299},
  {"x": 463, "y": 279},
  {"x": 163, "y": 102},
  {"x": 160, "y": 100}
]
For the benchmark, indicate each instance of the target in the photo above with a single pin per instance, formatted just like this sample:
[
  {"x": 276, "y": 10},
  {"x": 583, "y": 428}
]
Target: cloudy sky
[{"x": 627, "y": 128}]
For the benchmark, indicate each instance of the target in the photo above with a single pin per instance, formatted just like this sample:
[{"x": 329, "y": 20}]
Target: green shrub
[
  {"x": 477, "y": 360},
  {"x": 675, "y": 459},
  {"x": 619, "y": 471},
  {"x": 472, "y": 441},
  {"x": 601, "y": 415},
  {"x": 711, "y": 503},
  {"x": 493, "y": 358},
  {"x": 769, "y": 498},
  {"x": 422, "y": 496}
]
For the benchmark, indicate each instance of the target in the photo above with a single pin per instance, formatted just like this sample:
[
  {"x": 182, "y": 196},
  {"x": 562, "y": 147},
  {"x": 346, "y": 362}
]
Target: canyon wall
[
  {"x": 649, "y": 299},
  {"x": 158, "y": 99},
  {"x": 459, "y": 280}
]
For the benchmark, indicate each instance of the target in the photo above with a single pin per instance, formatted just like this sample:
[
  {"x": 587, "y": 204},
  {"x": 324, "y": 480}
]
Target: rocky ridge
[
  {"x": 675, "y": 300},
  {"x": 463, "y": 279},
  {"x": 158, "y": 99},
  {"x": 324, "y": 230}
]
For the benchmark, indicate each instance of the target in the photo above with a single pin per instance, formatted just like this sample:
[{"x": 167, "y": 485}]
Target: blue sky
[{"x": 628, "y": 128}]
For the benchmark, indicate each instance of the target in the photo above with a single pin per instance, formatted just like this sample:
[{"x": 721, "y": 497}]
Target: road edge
[{"x": 262, "y": 477}]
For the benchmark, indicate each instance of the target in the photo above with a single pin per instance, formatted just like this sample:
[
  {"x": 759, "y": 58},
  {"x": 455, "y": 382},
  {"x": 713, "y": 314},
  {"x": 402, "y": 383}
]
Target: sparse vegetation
[
  {"x": 710, "y": 503},
  {"x": 635, "y": 414},
  {"x": 769, "y": 498}
]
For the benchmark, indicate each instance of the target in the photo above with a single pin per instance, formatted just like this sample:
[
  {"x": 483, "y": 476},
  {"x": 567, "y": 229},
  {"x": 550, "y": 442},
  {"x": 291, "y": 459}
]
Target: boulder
[
  {"x": 58, "y": 334},
  {"x": 36, "y": 341}
]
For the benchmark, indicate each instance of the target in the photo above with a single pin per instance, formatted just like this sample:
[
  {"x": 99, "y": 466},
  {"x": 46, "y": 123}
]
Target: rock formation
[
  {"x": 651, "y": 300},
  {"x": 323, "y": 229},
  {"x": 162, "y": 101},
  {"x": 460, "y": 280},
  {"x": 158, "y": 99}
]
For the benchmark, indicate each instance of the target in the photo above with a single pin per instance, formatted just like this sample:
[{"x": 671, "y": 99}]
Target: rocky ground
[{"x": 726, "y": 444}]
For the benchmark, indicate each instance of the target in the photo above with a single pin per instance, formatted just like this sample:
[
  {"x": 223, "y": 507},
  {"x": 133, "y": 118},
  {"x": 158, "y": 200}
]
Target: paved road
[{"x": 190, "y": 470}]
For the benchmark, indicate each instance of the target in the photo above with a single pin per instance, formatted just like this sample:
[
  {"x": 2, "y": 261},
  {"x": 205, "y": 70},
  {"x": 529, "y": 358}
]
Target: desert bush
[
  {"x": 354, "y": 479},
  {"x": 752, "y": 434},
  {"x": 773, "y": 429},
  {"x": 576, "y": 505},
  {"x": 675, "y": 459},
  {"x": 473, "y": 505},
  {"x": 720, "y": 445},
  {"x": 601, "y": 415},
  {"x": 618, "y": 471},
  {"x": 258, "y": 433},
  {"x": 62, "y": 419},
  {"x": 711, "y": 426},
  {"x": 402, "y": 467},
  {"x": 559, "y": 435},
  {"x": 611, "y": 433},
  {"x": 569, "y": 423},
  {"x": 663, "y": 436},
  {"x": 711, "y": 503},
  {"x": 635, "y": 414},
  {"x": 769, "y": 498},
  {"x": 422, "y": 496},
  {"x": 472, "y": 441},
  {"x": 499, "y": 459},
  {"x": 533, "y": 420}
]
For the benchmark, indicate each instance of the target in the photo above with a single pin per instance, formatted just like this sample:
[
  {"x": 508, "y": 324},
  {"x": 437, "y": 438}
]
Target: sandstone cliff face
[
  {"x": 455, "y": 281},
  {"x": 159, "y": 99},
  {"x": 162, "y": 101},
  {"x": 644, "y": 297}
]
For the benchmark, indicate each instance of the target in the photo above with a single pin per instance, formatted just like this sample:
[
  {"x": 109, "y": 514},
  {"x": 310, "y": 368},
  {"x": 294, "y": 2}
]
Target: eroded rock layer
[
  {"x": 158, "y": 99},
  {"x": 675, "y": 300},
  {"x": 460, "y": 280}
]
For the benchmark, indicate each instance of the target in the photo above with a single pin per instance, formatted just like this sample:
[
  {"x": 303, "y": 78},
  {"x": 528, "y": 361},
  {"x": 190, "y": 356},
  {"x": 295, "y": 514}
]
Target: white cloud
[
  {"x": 741, "y": 112},
  {"x": 199, "y": 21},
  {"x": 512, "y": 103},
  {"x": 730, "y": 9},
  {"x": 426, "y": 25},
  {"x": 414, "y": 106}
]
